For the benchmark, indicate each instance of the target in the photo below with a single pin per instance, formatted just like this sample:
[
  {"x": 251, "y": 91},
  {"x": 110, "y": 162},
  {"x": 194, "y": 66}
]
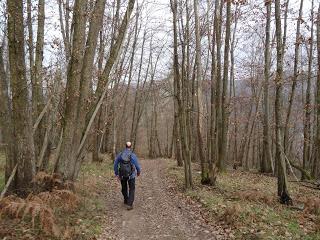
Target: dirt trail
[{"x": 157, "y": 214}]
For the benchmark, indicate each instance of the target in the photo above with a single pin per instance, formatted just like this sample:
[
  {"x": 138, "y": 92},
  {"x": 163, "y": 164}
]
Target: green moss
[
  {"x": 294, "y": 227},
  {"x": 314, "y": 236}
]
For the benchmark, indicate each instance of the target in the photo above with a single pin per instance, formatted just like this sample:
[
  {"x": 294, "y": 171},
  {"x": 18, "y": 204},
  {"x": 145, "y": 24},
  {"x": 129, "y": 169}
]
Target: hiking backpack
[{"x": 126, "y": 167}]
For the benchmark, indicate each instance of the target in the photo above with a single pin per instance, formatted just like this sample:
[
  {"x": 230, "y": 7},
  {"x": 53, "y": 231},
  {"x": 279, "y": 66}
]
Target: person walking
[{"x": 126, "y": 168}]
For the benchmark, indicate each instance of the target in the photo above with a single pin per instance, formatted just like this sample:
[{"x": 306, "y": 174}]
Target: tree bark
[
  {"x": 180, "y": 103},
  {"x": 87, "y": 71},
  {"x": 6, "y": 117},
  {"x": 224, "y": 113},
  {"x": 308, "y": 107},
  {"x": 204, "y": 172},
  {"x": 21, "y": 114},
  {"x": 316, "y": 163},
  {"x": 295, "y": 75},
  {"x": 37, "y": 85},
  {"x": 218, "y": 95},
  {"x": 266, "y": 165},
  {"x": 283, "y": 192},
  {"x": 66, "y": 159}
]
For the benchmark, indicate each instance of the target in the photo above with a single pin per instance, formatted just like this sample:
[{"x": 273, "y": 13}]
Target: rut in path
[{"x": 156, "y": 214}]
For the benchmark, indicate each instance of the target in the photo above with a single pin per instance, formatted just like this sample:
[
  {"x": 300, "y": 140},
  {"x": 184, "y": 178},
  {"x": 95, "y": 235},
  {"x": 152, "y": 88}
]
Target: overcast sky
[{"x": 157, "y": 16}]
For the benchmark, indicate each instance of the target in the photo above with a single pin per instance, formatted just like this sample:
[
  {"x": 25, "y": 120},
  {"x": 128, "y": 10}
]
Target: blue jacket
[{"x": 134, "y": 161}]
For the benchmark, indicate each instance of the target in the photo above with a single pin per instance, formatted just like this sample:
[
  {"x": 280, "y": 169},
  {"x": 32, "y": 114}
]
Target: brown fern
[
  {"x": 60, "y": 198},
  {"x": 32, "y": 207}
]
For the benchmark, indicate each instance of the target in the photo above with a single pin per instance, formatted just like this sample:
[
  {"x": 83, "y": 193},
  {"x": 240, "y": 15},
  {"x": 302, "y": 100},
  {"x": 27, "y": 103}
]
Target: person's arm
[
  {"x": 136, "y": 163},
  {"x": 115, "y": 165}
]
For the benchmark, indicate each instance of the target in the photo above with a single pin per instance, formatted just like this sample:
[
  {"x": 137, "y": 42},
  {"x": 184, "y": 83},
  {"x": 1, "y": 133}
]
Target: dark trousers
[{"x": 128, "y": 194}]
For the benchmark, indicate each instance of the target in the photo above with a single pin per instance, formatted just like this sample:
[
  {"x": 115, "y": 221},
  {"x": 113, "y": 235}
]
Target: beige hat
[{"x": 128, "y": 144}]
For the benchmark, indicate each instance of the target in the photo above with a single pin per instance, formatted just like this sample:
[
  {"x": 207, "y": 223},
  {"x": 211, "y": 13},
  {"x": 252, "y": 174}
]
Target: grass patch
[
  {"x": 247, "y": 203},
  {"x": 91, "y": 188}
]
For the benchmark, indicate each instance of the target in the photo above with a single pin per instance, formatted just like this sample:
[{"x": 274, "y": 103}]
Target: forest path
[{"x": 157, "y": 214}]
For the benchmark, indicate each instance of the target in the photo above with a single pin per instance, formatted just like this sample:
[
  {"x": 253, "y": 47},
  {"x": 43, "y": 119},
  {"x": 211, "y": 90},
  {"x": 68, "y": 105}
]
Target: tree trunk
[
  {"x": 224, "y": 113},
  {"x": 181, "y": 105},
  {"x": 266, "y": 165},
  {"x": 30, "y": 42},
  {"x": 136, "y": 97},
  {"x": 204, "y": 172},
  {"x": 218, "y": 127},
  {"x": 6, "y": 117},
  {"x": 295, "y": 76},
  {"x": 124, "y": 118},
  {"x": 308, "y": 107},
  {"x": 316, "y": 163},
  {"x": 66, "y": 159},
  {"x": 283, "y": 192},
  {"x": 37, "y": 85},
  {"x": 86, "y": 75},
  {"x": 21, "y": 115}
]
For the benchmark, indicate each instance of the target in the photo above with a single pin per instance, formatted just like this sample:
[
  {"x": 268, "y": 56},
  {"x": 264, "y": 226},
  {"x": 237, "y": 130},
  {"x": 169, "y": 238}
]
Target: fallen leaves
[{"x": 245, "y": 204}]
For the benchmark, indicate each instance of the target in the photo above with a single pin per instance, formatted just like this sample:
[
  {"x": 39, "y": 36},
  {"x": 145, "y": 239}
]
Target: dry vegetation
[
  {"x": 246, "y": 207},
  {"x": 61, "y": 211}
]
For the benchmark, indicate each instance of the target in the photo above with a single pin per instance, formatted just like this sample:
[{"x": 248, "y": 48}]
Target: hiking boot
[{"x": 129, "y": 208}]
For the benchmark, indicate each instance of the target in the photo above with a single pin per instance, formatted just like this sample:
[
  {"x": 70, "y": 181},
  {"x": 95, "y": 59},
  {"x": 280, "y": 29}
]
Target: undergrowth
[
  {"x": 57, "y": 209},
  {"x": 246, "y": 203}
]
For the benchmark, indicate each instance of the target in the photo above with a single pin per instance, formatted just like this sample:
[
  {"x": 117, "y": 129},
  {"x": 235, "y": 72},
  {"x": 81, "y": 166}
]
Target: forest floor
[
  {"x": 245, "y": 205},
  {"x": 158, "y": 213},
  {"x": 242, "y": 206},
  {"x": 78, "y": 218}
]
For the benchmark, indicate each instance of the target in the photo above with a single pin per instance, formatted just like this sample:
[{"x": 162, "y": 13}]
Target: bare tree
[
  {"x": 283, "y": 192},
  {"x": 266, "y": 165},
  {"x": 5, "y": 116},
  {"x": 181, "y": 103},
  {"x": 316, "y": 163},
  {"x": 295, "y": 74}
]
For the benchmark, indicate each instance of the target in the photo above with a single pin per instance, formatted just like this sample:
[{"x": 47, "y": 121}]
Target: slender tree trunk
[
  {"x": 295, "y": 76},
  {"x": 283, "y": 192},
  {"x": 124, "y": 118},
  {"x": 316, "y": 163},
  {"x": 65, "y": 27},
  {"x": 30, "y": 42},
  {"x": 176, "y": 127},
  {"x": 213, "y": 143},
  {"x": 136, "y": 98},
  {"x": 181, "y": 105},
  {"x": 232, "y": 90},
  {"x": 204, "y": 172},
  {"x": 266, "y": 165},
  {"x": 308, "y": 107},
  {"x": 37, "y": 85},
  {"x": 6, "y": 117},
  {"x": 224, "y": 113},
  {"x": 218, "y": 128}
]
